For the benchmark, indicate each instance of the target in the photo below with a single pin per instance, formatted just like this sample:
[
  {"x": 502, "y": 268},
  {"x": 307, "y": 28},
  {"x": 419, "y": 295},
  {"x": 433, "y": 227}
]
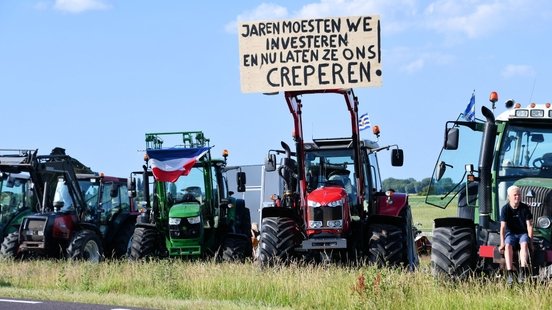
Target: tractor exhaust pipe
[{"x": 485, "y": 167}]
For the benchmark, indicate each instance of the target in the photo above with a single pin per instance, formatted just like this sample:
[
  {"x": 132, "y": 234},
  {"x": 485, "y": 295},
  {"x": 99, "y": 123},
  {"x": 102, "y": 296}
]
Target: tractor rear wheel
[
  {"x": 279, "y": 236},
  {"x": 86, "y": 245},
  {"x": 386, "y": 245},
  {"x": 121, "y": 242},
  {"x": 10, "y": 246},
  {"x": 452, "y": 252},
  {"x": 236, "y": 248},
  {"x": 143, "y": 243}
]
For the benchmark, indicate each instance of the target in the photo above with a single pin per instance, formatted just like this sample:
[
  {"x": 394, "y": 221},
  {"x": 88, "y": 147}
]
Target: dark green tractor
[{"x": 16, "y": 195}]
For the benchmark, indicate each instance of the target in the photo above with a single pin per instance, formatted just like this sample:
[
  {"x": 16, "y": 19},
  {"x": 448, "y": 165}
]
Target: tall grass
[{"x": 176, "y": 284}]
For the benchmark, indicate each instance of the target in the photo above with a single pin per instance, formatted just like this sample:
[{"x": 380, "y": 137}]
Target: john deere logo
[{"x": 530, "y": 194}]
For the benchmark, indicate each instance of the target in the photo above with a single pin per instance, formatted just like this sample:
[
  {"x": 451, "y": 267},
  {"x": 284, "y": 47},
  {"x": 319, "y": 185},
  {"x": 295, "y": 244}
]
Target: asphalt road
[{"x": 23, "y": 304}]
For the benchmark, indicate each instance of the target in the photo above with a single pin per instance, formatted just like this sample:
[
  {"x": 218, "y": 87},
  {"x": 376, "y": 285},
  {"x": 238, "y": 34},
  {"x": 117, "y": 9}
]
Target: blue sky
[{"x": 93, "y": 76}]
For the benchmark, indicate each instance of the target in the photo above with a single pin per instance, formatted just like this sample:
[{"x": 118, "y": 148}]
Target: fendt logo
[{"x": 530, "y": 194}]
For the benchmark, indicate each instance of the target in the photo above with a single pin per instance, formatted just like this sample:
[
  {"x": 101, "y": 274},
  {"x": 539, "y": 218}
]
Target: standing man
[{"x": 516, "y": 227}]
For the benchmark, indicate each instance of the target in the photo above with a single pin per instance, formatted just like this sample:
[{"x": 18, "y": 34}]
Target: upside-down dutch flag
[
  {"x": 168, "y": 165},
  {"x": 364, "y": 122}
]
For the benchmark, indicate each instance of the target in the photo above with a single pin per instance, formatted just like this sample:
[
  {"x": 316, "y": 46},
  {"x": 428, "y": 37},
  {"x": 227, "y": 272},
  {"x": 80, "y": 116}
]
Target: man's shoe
[
  {"x": 523, "y": 274},
  {"x": 509, "y": 277}
]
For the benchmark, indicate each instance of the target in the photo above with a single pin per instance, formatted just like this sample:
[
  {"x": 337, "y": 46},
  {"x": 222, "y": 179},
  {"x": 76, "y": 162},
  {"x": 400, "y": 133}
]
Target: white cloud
[
  {"x": 476, "y": 19},
  {"x": 79, "y": 6},
  {"x": 518, "y": 70},
  {"x": 265, "y": 11},
  {"x": 414, "y": 66}
]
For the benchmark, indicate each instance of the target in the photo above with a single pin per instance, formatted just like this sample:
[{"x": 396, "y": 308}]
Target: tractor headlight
[
  {"x": 194, "y": 220},
  {"x": 174, "y": 220},
  {"x": 336, "y": 203},
  {"x": 335, "y": 223},
  {"x": 315, "y": 224},
  {"x": 543, "y": 222},
  {"x": 313, "y": 204}
]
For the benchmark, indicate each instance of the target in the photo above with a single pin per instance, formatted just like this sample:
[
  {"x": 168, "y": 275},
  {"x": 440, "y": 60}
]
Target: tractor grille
[
  {"x": 33, "y": 228},
  {"x": 325, "y": 214},
  {"x": 184, "y": 230},
  {"x": 539, "y": 199}
]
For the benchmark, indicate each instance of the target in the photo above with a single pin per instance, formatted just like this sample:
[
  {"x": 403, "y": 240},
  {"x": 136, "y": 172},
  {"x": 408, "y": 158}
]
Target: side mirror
[
  {"x": 397, "y": 157},
  {"x": 270, "y": 163},
  {"x": 451, "y": 138},
  {"x": 240, "y": 177},
  {"x": 537, "y": 137},
  {"x": 131, "y": 184}
]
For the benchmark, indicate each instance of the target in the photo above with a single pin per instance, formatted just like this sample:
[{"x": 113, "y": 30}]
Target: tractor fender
[
  {"x": 392, "y": 205},
  {"x": 453, "y": 221},
  {"x": 387, "y": 219},
  {"x": 145, "y": 225},
  {"x": 88, "y": 226},
  {"x": 281, "y": 212}
]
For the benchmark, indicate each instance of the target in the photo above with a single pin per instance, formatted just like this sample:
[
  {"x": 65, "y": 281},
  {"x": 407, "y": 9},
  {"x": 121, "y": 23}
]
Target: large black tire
[
  {"x": 121, "y": 243},
  {"x": 453, "y": 252},
  {"x": 143, "y": 243},
  {"x": 279, "y": 236},
  {"x": 386, "y": 245},
  {"x": 10, "y": 246},
  {"x": 85, "y": 245},
  {"x": 236, "y": 248}
]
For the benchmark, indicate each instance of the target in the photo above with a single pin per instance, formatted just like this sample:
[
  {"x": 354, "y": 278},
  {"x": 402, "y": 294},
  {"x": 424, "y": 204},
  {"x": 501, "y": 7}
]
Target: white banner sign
[{"x": 308, "y": 54}]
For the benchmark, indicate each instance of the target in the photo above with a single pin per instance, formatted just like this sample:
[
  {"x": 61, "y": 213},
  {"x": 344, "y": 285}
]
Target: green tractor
[
  {"x": 16, "y": 195},
  {"x": 515, "y": 149},
  {"x": 186, "y": 207}
]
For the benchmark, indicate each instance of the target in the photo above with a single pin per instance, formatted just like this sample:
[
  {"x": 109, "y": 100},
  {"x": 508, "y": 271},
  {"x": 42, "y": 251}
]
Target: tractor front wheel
[
  {"x": 143, "y": 243},
  {"x": 10, "y": 246},
  {"x": 386, "y": 245},
  {"x": 452, "y": 252},
  {"x": 279, "y": 236},
  {"x": 86, "y": 245}
]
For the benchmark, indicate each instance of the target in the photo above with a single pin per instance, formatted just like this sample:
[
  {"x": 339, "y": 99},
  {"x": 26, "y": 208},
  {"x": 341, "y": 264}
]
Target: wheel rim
[{"x": 92, "y": 251}]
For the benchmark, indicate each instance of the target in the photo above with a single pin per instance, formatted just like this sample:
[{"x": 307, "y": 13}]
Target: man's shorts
[{"x": 515, "y": 239}]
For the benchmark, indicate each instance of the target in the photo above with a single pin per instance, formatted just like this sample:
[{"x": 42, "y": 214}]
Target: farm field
[
  {"x": 178, "y": 284},
  {"x": 424, "y": 214}
]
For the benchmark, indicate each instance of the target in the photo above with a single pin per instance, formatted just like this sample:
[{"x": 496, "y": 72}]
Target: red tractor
[
  {"x": 83, "y": 215},
  {"x": 332, "y": 206}
]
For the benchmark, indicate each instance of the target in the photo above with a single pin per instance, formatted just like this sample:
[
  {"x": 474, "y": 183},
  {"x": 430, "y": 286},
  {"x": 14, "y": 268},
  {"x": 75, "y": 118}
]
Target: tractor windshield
[
  {"x": 524, "y": 152},
  {"x": 189, "y": 188},
  {"x": 14, "y": 194},
  {"x": 331, "y": 167}
]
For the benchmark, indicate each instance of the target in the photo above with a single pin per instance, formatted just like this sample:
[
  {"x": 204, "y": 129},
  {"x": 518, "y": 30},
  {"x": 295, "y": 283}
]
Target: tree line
[{"x": 412, "y": 186}]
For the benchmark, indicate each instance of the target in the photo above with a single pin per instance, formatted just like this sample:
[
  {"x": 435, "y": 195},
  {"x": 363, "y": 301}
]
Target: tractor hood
[
  {"x": 185, "y": 210},
  {"x": 327, "y": 194}
]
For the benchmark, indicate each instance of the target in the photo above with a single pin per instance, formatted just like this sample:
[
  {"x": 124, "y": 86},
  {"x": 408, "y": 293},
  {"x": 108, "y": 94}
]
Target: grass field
[
  {"x": 176, "y": 284},
  {"x": 424, "y": 214}
]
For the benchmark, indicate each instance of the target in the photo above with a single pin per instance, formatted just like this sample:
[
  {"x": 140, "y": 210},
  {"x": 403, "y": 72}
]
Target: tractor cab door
[{"x": 460, "y": 150}]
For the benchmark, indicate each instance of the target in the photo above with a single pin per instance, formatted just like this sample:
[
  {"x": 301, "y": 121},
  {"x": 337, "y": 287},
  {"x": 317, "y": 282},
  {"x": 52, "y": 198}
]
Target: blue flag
[
  {"x": 364, "y": 121},
  {"x": 469, "y": 113}
]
